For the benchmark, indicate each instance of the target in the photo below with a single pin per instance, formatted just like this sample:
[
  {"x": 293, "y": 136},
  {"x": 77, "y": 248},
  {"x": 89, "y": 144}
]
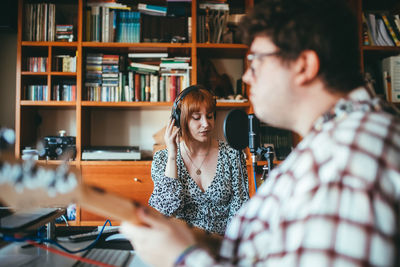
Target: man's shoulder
[{"x": 377, "y": 123}]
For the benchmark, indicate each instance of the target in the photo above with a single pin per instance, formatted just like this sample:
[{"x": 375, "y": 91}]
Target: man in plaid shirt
[{"x": 335, "y": 200}]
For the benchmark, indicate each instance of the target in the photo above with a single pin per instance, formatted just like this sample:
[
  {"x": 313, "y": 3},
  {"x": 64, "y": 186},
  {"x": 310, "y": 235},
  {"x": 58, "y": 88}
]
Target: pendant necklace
[{"x": 198, "y": 171}]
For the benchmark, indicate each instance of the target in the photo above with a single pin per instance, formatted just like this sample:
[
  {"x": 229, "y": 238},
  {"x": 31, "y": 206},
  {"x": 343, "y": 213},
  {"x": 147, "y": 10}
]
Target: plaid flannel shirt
[{"x": 333, "y": 202}]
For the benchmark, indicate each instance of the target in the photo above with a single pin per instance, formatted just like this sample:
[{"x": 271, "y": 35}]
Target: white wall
[{"x": 135, "y": 127}]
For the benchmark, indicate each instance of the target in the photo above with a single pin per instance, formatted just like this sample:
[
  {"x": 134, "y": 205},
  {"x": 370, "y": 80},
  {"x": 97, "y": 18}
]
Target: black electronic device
[
  {"x": 59, "y": 147},
  {"x": 176, "y": 111}
]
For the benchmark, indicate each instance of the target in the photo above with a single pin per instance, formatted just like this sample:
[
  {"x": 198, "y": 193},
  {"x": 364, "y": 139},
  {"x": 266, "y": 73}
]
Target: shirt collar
[{"x": 358, "y": 99}]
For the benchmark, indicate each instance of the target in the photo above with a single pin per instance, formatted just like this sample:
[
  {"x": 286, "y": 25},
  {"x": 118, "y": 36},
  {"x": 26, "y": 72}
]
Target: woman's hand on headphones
[{"x": 171, "y": 138}]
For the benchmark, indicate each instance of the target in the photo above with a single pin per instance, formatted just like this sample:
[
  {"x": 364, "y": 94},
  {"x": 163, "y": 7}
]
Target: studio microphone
[
  {"x": 254, "y": 134},
  {"x": 241, "y": 130},
  {"x": 236, "y": 129},
  {"x": 254, "y": 138}
]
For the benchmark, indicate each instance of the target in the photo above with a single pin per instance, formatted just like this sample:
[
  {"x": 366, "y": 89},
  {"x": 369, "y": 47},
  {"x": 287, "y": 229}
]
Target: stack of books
[
  {"x": 175, "y": 76},
  {"x": 64, "y": 33},
  {"x": 93, "y": 76},
  {"x": 37, "y": 64}
]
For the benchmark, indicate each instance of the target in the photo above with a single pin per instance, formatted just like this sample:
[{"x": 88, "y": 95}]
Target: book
[
  {"x": 142, "y": 87},
  {"x": 387, "y": 84},
  {"x": 143, "y": 66},
  {"x": 371, "y": 22},
  {"x": 366, "y": 32},
  {"x": 390, "y": 30},
  {"x": 214, "y": 6},
  {"x": 147, "y": 55},
  {"x": 395, "y": 28},
  {"x": 383, "y": 33},
  {"x": 152, "y": 9},
  {"x": 175, "y": 65},
  {"x": 137, "y": 87},
  {"x": 391, "y": 81},
  {"x": 396, "y": 19}
]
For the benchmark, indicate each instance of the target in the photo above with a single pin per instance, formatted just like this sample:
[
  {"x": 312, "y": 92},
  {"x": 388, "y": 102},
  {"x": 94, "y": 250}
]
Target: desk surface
[{"x": 17, "y": 254}]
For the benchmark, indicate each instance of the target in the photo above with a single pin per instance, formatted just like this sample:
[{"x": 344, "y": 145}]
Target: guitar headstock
[{"x": 26, "y": 184}]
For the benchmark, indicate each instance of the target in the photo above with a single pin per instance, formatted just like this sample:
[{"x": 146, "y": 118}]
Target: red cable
[{"x": 65, "y": 254}]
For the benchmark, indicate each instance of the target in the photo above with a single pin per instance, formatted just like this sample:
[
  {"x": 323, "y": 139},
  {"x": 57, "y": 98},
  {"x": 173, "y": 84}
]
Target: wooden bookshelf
[
  {"x": 86, "y": 119},
  {"x": 372, "y": 55}
]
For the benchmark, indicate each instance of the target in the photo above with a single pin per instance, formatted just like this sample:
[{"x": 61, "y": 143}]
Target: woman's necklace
[{"x": 198, "y": 171}]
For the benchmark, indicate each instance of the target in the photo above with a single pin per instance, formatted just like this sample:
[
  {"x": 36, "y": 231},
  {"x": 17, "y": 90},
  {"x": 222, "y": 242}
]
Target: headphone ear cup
[{"x": 176, "y": 115}]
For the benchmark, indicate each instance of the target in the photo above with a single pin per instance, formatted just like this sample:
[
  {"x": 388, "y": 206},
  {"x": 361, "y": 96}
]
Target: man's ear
[{"x": 306, "y": 67}]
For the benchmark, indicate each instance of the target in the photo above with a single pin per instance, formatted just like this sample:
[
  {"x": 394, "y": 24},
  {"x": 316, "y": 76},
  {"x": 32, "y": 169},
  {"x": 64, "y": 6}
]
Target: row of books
[
  {"x": 35, "y": 92},
  {"x": 105, "y": 24},
  {"x": 40, "y": 22},
  {"x": 213, "y": 24},
  {"x": 102, "y": 69},
  {"x": 65, "y": 63},
  {"x": 36, "y": 64},
  {"x": 135, "y": 86},
  {"x": 64, "y": 92},
  {"x": 381, "y": 29}
]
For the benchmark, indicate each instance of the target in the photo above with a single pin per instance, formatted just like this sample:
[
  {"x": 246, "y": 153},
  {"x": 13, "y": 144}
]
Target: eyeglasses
[{"x": 258, "y": 56}]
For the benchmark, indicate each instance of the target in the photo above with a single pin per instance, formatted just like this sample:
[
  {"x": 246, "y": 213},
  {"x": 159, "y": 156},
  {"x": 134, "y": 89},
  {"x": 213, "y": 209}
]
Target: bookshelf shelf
[
  {"x": 66, "y": 44},
  {"x": 48, "y": 103},
  {"x": 30, "y": 73},
  {"x": 137, "y": 45},
  {"x": 56, "y": 162},
  {"x": 112, "y": 163},
  {"x": 60, "y": 73},
  {"x": 229, "y": 46},
  {"x": 233, "y": 105},
  {"x": 155, "y": 104},
  {"x": 381, "y": 48},
  {"x": 126, "y": 104},
  {"x": 96, "y": 123}
]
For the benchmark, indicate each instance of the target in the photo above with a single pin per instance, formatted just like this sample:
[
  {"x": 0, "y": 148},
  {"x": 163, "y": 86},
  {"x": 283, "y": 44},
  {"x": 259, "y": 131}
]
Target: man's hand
[{"x": 160, "y": 240}]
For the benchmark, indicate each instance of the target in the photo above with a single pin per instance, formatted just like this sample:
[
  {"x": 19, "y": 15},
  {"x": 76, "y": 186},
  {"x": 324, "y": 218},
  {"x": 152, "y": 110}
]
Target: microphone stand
[{"x": 268, "y": 154}]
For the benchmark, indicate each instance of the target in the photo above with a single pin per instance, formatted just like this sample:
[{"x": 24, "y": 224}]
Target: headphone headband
[{"x": 176, "y": 112}]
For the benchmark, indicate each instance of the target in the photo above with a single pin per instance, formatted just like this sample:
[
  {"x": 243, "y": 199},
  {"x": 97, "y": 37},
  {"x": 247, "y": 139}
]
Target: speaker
[{"x": 176, "y": 111}]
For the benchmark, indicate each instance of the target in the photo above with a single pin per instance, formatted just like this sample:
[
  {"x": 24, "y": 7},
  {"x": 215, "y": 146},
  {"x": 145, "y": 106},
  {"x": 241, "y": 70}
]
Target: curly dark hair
[{"x": 327, "y": 27}]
